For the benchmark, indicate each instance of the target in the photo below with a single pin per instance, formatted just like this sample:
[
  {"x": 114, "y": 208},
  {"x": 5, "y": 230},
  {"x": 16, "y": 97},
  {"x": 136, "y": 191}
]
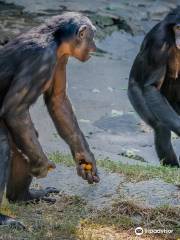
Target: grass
[
  {"x": 122, "y": 218},
  {"x": 133, "y": 173},
  {"x": 136, "y": 173},
  {"x": 46, "y": 221},
  {"x": 70, "y": 218}
]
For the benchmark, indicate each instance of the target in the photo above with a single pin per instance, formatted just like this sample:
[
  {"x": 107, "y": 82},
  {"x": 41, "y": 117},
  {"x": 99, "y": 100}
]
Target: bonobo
[
  {"x": 32, "y": 64},
  {"x": 154, "y": 84}
]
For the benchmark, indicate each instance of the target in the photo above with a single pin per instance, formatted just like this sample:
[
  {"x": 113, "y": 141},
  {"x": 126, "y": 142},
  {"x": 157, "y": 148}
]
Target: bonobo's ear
[{"x": 82, "y": 32}]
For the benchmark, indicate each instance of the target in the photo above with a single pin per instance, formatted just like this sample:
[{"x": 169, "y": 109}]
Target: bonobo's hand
[
  {"x": 40, "y": 170},
  {"x": 86, "y": 166}
]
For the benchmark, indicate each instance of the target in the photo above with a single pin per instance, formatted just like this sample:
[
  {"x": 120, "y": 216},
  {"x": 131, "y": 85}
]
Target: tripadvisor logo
[{"x": 139, "y": 231}]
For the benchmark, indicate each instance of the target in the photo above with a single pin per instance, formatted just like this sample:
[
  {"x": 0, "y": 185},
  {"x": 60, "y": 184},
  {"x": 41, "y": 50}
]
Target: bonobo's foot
[
  {"x": 11, "y": 222},
  {"x": 43, "y": 195},
  {"x": 171, "y": 162},
  {"x": 41, "y": 169},
  {"x": 34, "y": 196}
]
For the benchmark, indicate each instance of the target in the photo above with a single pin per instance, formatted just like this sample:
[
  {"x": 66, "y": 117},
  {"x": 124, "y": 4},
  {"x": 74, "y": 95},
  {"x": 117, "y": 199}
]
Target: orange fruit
[
  {"x": 87, "y": 166},
  {"x": 50, "y": 169}
]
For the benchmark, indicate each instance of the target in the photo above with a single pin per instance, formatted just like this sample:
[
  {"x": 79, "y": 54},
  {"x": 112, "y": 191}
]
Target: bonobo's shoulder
[
  {"x": 155, "y": 46},
  {"x": 23, "y": 49},
  {"x": 154, "y": 38},
  {"x": 33, "y": 42}
]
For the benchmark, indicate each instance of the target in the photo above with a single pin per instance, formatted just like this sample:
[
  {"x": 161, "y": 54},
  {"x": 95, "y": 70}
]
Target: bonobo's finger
[
  {"x": 81, "y": 172},
  {"x": 78, "y": 171},
  {"x": 95, "y": 174},
  {"x": 89, "y": 177},
  {"x": 96, "y": 179},
  {"x": 51, "y": 165},
  {"x": 49, "y": 190}
]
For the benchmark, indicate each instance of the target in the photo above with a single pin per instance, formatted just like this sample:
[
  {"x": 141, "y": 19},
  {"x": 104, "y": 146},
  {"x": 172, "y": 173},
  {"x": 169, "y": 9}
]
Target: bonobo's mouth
[
  {"x": 92, "y": 54},
  {"x": 89, "y": 55},
  {"x": 178, "y": 43}
]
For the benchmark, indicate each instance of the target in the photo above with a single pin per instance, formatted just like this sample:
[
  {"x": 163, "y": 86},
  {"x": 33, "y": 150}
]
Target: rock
[
  {"x": 152, "y": 193},
  {"x": 97, "y": 195},
  {"x": 118, "y": 122},
  {"x": 157, "y": 12}
]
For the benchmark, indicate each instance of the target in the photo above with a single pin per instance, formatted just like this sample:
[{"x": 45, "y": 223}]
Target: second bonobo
[{"x": 154, "y": 84}]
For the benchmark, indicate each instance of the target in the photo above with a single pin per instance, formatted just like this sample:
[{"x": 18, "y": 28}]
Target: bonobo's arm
[
  {"x": 157, "y": 103},
  {"x": 66, "y": 124},
  {"x": 25, "y": 88},
  {"x": 24, "y": 135}
]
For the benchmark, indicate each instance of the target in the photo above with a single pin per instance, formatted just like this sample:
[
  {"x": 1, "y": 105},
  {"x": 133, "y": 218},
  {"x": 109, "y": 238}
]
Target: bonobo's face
[
  {"x": 84, "y": 44},
  {"x": 176, "y": 29}
]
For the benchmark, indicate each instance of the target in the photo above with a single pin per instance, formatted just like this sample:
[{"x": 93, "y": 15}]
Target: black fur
[{"x": 150, "y": 71}]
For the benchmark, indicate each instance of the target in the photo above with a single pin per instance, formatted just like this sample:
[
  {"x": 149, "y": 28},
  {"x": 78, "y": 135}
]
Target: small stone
[{"x": 95, "y": 90}]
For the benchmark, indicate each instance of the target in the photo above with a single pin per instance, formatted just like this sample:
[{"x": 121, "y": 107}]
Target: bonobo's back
[
  {"x": 7, "y": 69},
  {"x": 27, "y": 52}
]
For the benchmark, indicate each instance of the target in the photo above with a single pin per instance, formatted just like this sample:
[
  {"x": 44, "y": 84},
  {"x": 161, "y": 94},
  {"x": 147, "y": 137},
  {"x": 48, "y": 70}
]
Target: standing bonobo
[
  {"x": 154, "y": 84},
  {"x": 33, "y": 64}
]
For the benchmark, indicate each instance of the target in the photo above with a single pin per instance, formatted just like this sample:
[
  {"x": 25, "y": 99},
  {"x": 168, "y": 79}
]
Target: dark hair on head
[
  {"x": 173, "y": 17},
  {"x": 54, "y": 31},
  {"x": 66, "y": 26},
  {"x": 161, "y": 37}
]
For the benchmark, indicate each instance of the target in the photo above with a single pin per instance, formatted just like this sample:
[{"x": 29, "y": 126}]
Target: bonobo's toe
[
  {"x": 50, "y": 190},
  {"x": 11, "y": 222}
]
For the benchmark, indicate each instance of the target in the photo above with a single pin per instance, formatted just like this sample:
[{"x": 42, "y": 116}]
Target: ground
[{"x": 134, "y": 189}]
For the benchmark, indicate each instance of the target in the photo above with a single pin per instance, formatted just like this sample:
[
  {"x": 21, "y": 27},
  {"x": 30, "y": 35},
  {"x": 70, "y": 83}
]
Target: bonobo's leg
[
  {"x": 18, "y": 187},
  {"x": 164, "y": 147},
  {"x": 23, "y": 134},
  {"x": 4, "y": 170},
  {"x": 162, "y": 134}
]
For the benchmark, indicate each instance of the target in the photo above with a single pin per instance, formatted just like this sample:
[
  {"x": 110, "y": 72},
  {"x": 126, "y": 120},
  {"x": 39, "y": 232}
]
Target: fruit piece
[
  {"x": 86, "y": 167},
  {"x": 50, "y": 169}
]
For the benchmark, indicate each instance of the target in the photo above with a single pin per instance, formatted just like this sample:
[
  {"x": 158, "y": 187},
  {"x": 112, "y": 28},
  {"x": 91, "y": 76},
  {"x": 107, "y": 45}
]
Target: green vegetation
[
  {"x": 70, "y": 218},
  {"x": 133, "y": 173}
]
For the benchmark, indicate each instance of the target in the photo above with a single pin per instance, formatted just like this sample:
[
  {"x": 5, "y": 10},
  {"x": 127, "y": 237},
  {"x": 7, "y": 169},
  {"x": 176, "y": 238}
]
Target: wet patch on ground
[{"x": 118, "y": 124}]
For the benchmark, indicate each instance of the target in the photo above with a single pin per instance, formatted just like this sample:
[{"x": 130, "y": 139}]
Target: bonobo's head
[
  {"x": 83, "y": 43},
  {"x": 172, "y": 22},
  {"x": 75, "y": 36}
]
